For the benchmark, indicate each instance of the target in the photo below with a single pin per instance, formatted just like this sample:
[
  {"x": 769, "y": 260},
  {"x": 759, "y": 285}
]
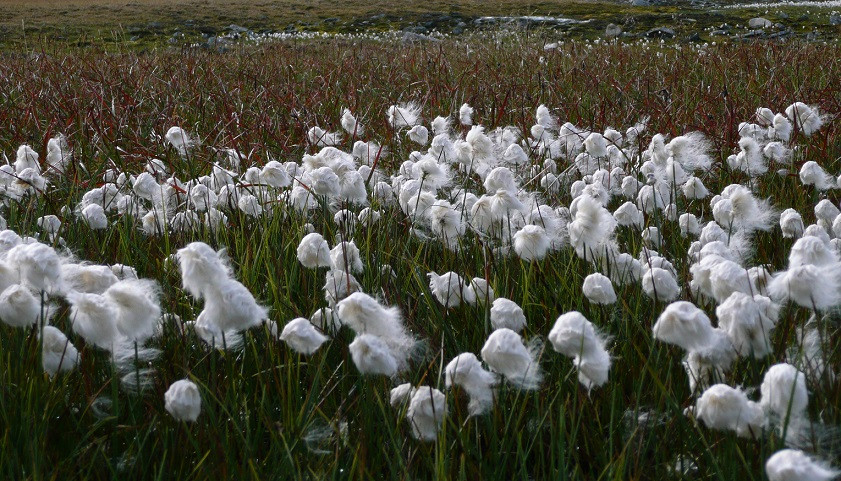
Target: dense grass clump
[{"x": 269, "y": 412}]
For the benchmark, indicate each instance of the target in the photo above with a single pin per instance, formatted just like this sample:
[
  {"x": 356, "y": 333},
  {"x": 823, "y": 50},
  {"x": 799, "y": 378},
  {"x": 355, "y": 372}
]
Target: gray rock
[
  {"x": 660, "y": 32},
  {"x": 759, "y": 23},
  {"x": 640, "y": 3},
  {"x": 417, "y": 29},
  {"x": 781, "y": 34},
  {"x": 612, "y": 31},
  {"x": 236, "y": 28},
  {"x": 719, "y": 33},
  {"x": 412, "y": 37},
  {"x": 753, "y": 34},
  {"x": 695, "y": 37},
  {"x": 835, "y": 19}
]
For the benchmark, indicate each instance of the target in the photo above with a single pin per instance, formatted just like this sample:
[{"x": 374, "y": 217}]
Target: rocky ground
[{"x": 676, "y": 20}]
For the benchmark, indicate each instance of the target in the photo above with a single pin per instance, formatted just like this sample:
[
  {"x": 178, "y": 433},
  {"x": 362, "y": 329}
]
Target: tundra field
[{"x": 606, "y": 260}]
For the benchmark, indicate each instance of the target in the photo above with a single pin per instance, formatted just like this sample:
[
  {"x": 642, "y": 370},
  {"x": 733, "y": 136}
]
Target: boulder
[
  {"x": 759, "y": 23},
  {"x": 612, "y": 31},
  {"x": 660, "y": 32}
]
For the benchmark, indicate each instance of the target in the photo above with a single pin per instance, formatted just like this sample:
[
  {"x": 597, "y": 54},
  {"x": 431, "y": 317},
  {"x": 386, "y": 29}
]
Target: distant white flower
[
  {"x": 405, "y": 115},
  {"x": 506, "y": 354},
  {"x": 465, "y": 115},
  {"x": 659, "y": 284},
  {"x": 794, "y": 465},
  {"x": 58, "y": 353},
  {"x": 506, "y": 313},
  {"x": 183, "y": 401},
  {"x": 313, "y": 252},
  {"x": 598, "y": 289},
  {"x": 726, "y": 408},
  {"x": 450, "y": 289},
  {"x": 419, "y": 135},
  {"x": 345, "y": 256},
  {"x": 466, "y": 371},
  {"x": 372, "y": 355},
  {"x": 180, "y": 140},
  {"x": 791, "y": 224},
  {"x": 351, "y": 125},
  {"x": 302, "y": 336},
  {"x": 426, "y": 413},
  {"x": 574, "y": 336},
  {"x": 784, "y": 392},
  {"x": 531, "y": 243},
  {"x": 401, "y": 394},
  {"x": 20, "y": 308}
]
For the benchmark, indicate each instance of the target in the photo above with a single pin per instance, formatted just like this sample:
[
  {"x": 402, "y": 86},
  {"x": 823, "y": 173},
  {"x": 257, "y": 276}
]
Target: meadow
[{"x": 268, "y": 411}]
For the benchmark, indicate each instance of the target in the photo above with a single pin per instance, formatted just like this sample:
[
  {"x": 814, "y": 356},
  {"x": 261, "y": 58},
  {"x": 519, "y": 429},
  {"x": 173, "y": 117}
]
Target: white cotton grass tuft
[
  {"x": 598, "y": 289},
  {"x": 506, "y": 313},
  {"x": 805, "y": 118},
  {"x": 531, "y": 243},
  {"x": 200, "y": 267},
  {"x": 450, "y": 289},
  {"x": 748, "y": 321},
  {"x": 795, "y": 465},
  {"x": 811, "y": 250},
  {"x": 372, "y": 356},
  {"x": 58, "y": 354},
  {"x": 302, "y": 336},
  {"x": 137, "y": 307},
  {"x": 727, "y": 408},
  {"x": 38, "y": 265},
  {"x": 426, "y": 412},
  {"x": 506, "y": 354},
  {"x": 811, "y": 173},
  {"x": 392, "y": 346},
  {"x": 685, "y": 325},
  {"x": 345, "y": 256},
  {"x": 810, "y": 286},
  {"x": 784, "y": 392},
  {"x": 691, "y": 151},
  {"x": 591, "y": 227},
  {"x": 403, "y": 115},
  {"x": 20, "y": 308},
  {"x": 94, "y": 318},
  {"x": 401, "y": 394},
  {"x": 467, "y": 372},
  {"x": 576, "y": 337},
  {"x": 59, "y": 154},
  {"x": 326, "y": 319},
  {"x": 339, "y": 284},
  {"x": 483, "y": 293},
  {"x": 791, "y": 224},
  {"x": 180, "y": 140},
  {"x": 314, "y": 252},
  {"x": 419, "y": 135},
  {"x": 465, "y": 115},
  {"x": 748, "y": 212},
  {"x": 183, "y": 401},
  {"x": 660, "y": 284},
  {"x": 230, "y": 306},
  {"x": 351, "y": 125}
]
